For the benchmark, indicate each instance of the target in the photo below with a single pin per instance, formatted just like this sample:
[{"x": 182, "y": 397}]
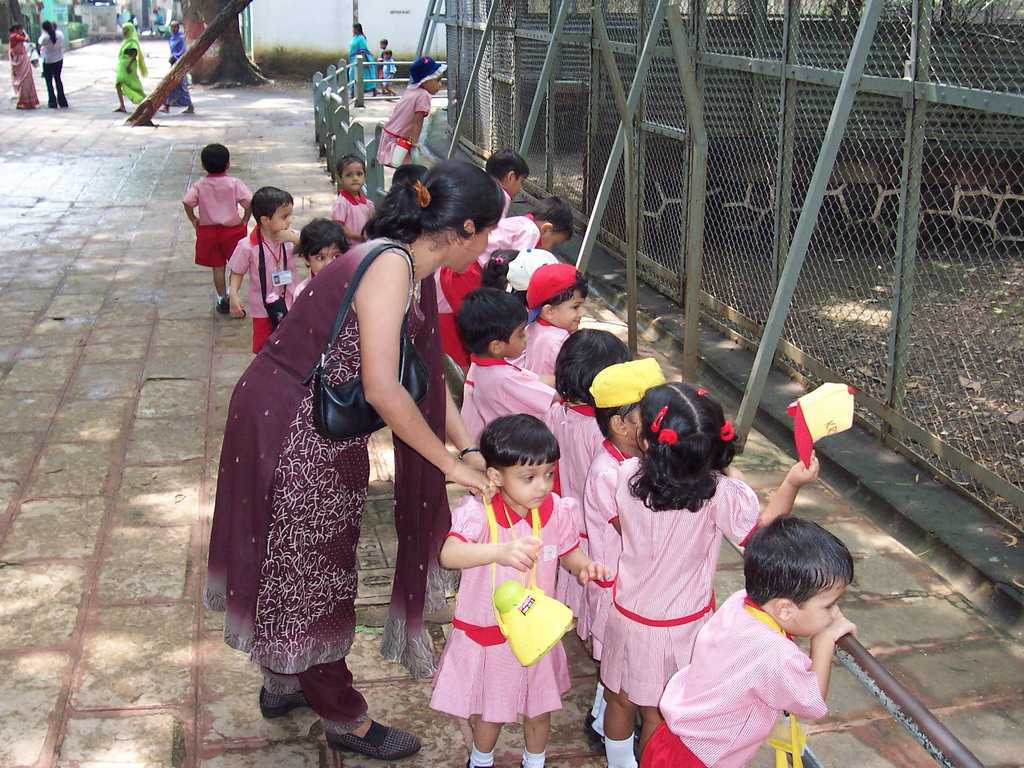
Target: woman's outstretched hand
[{"x": 465, "y": 475}]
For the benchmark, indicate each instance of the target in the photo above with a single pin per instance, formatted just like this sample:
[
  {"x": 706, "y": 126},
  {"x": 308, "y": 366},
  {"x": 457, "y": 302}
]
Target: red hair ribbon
[
  {"x": 702, "y": 392},
  {"x": 727, "y": 432},
  {"x": 668, "y": 436},
  {"x": 656, "y": 424}
]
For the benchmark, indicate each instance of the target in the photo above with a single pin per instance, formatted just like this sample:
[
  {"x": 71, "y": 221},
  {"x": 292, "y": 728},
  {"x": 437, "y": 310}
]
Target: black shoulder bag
[
  {"x": 276, "y": 310},
  {"x": 341, "y": 412}
]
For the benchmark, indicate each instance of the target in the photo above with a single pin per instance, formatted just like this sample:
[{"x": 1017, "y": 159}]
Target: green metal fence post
[
  {"x": 428, "y": 27},
  {"x": 359, "y": 81},
  {"x": 809, "y": 214},
  {"x": 783, "y": 208},
  {"x": 478, "y": 61},
  {"x": 546, "y": 70}
]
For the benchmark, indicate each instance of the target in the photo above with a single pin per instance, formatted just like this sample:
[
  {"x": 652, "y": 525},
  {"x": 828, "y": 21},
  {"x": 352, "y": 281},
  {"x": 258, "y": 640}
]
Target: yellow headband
[{"x": 625, "y": 383}]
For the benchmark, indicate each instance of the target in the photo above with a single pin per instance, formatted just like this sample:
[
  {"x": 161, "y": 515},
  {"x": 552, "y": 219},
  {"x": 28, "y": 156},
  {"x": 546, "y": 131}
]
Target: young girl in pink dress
[
  {"x": 584, "y": 354},
  {"x": 320, "y": 242},
  {"x": 406, "y": 122},
  {"x": 674, "y": 504},
  {"x": 478, "y": 677},
  {"x": 352, "y": 209}
]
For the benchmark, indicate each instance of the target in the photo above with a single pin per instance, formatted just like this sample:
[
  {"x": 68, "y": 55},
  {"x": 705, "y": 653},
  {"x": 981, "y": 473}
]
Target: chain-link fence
[{"x": 912, "y": 288}]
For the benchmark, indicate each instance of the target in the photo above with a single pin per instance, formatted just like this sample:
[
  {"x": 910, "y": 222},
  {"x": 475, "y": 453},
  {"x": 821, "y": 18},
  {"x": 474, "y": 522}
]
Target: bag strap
[{"x": 350, "y": 294}]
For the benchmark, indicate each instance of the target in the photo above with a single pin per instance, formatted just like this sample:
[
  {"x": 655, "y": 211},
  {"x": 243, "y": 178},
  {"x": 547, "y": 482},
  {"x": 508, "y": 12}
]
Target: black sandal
[{"x": 380, "y": 743}]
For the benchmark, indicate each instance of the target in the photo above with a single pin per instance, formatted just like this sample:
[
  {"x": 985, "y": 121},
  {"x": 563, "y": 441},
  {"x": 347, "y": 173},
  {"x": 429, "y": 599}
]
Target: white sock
[
  {"x": 620, "y": 753},
  {"x": 531, "y": 760},
  {"x": 481, "y": 759},
  {"x": 598, "y": 709}
]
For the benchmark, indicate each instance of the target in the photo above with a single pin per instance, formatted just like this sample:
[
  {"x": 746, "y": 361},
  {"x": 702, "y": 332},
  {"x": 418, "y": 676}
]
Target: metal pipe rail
[
  {"x": 357, "y": 80},
  {"x": 930, "y": 733}
]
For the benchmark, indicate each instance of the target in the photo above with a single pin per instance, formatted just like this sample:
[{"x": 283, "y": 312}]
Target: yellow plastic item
[{"x": 787, "y": 733}]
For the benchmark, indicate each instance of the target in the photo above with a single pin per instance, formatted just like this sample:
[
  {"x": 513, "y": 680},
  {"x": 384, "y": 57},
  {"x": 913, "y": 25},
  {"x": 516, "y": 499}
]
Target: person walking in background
[
  {"x": 21, "y": 69},
  {"x": 387, "y": 72},
  {"x": 359, "y": 47},
  {"x": 130, "y": 64},
  {"x": 179, "y": 96},
  {"x": 51, "y": 48}
]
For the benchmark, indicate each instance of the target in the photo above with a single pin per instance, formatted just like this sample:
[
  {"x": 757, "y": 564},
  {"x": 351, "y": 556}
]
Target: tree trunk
[
  {"x": 226, "y": 62},
  {"x": 228, "y": 17},
  {"x": 16, "y": 17}
]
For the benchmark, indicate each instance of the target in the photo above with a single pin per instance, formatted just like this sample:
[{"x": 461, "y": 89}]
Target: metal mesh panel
[{"x": 979, "y": 45}]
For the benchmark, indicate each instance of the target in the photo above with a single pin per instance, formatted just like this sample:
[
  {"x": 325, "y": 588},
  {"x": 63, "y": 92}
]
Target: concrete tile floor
[{"x": 115, "y": 378}]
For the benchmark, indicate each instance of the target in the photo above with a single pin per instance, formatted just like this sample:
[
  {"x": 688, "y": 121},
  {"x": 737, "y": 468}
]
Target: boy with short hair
[
  {"x": 493, "y": 325},
  {"x": 266, "y": 256},
  {"x": 746, "y": 669},
  {"x": 509, "y": 169},
  {"x": 387, "y": 69},
  {"x": 555, "y": 298},
  {"x": 218, "y": 226}
]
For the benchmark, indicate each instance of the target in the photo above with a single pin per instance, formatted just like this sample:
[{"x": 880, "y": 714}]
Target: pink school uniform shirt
[
  {"x": 218, "y": 197},
  {"x": 513, "y": 233},
  {"x": 496, "y": 388},
  {"x": 664, "y": 588},
  {"x": 543, "y": 343},
  {"x": 246, "y": 261},
  {"x": 488, "y": 680},
  {"x": 599, "y": 511},
  {"x": 508, "y": 203},
  {"x": 743, "y": 674},
  {"x": 415, "y": 101},
  {"x": 352, "y": 212}
]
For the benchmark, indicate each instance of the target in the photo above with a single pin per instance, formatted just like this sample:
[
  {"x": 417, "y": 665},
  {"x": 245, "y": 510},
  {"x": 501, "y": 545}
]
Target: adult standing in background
[
  {"x": 357, "y": 47},
  {"x": 130, "y": 64},
  {"x": 179, "y": 97},
  {"x": 51, "y": 48},
  {"x": 21, "y": 69}
]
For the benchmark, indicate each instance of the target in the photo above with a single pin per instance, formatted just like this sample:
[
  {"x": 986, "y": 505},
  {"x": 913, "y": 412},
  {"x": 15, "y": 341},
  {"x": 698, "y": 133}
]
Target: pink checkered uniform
[
  {"x": 415, "y": 101},
  {"x": 515, "y": 233},
  {"x": 219, "y": 197},
  {"x": 352, "y": 212},
  {"x": 743, "y": 674},
  {"x": 497, "y": 388},
  {"x": 664, "y": 589},
  {"x": 579, "y": 440},
  {"x": 599, "y": 511},
  {"x": 488, "y": 680},
  {"x": 543, "y": 343}
]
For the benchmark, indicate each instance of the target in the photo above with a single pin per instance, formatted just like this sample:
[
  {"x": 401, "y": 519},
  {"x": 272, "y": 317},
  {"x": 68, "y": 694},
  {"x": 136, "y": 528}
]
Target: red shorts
[
  {"x": 261, "y": 330},
  {"x": 666, "y": 750},
  {"x": 215, "y": 243},
  {"x": 451, "y": 339}
]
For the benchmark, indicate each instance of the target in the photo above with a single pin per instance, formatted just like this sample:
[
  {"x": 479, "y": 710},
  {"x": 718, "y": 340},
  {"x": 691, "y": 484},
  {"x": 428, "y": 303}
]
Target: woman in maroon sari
[
  {"x": 289, "y": 502},
  {"x": 21, "y": 69}
]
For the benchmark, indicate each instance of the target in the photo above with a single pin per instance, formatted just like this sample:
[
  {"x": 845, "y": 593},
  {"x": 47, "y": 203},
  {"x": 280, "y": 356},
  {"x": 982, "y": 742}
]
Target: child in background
[
  {"x": 517, "y": 278},
  {"x": 266, "y": 256},
  {"x": 746, "y": 669},
  {"x": 320, "y": 242},
  {"x": 549, "y": 223},
  {"x": 406, "y": 121},
  {"x": 616, "y": 392},
  {"x": 218, "y": 226},
  {"x": 674, "y": 504},
  {"x": 584, "y": 354},
  {"x": 509, "y": 169},
  {"x": 493, "y": 323},
  {"x": 478, "y": 677},
  {"x": 555, "y": 298},
  {"x": 352, "y": 209},
  {"x": 387, "y": 70}
]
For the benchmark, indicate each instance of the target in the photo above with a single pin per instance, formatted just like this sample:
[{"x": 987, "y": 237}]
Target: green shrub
[{"x": 77, "y": 29}]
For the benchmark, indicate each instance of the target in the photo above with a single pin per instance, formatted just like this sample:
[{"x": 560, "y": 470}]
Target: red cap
[{"x": 549, "y": 281}]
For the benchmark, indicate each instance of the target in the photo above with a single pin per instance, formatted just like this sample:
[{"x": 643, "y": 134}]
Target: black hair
[
  {"x": 506, "y": 161},
  {"x": 681, "y": 474},
  {"x": 458, "y": 191},
  {"x": 266, "y": 201},
  {"x": 408, "y": 174},
  {"x": 584, "y": 355},
  {"x": 348, "y": 160},
  {"x": 495, "y": 272},
  {"x": 556, "y": 212},
  {"x": 14, "y": 28},
  {"x": 215, "y": 158},
  {"x": 518, "y": 440},
  {"x": 384, "y": 42},
  {"x": 387, "y": 51},
  {"x": 48, "y": 28},
  {"x": 320, "y": 234},
  {"x": 604, "y": 415},
  {"x": 358, "y": 28},
  {"x": 487, "y": 315},
  {"x": 579, "y": 284},
  {"x": 795, "y": 559}
]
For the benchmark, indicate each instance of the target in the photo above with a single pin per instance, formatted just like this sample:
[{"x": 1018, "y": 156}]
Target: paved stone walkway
[{"x": 116, "y": 374}]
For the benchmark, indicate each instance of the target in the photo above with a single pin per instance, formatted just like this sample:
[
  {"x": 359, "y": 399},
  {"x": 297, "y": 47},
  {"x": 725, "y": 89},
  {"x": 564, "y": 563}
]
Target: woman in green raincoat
[{"x": 130, "y": 64}]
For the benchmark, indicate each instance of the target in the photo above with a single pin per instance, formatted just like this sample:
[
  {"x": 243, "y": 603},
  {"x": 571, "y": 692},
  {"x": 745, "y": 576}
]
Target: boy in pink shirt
[
  {"x": 218, "y": 226},
  {"x": 406, "y": 122},
  {"x": 509, "y": 169},
  {"x": 746, "y": 670},
  {"x": 493, "y": 325},
  {"x": 266, "y": 257},
  {"x": 549, "y": 223},
  {"x": 555, "y": 298},
  {"x": 352, "y": 209}
]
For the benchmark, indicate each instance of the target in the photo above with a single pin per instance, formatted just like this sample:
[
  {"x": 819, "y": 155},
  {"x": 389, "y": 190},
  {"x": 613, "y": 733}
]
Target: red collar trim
[
  {"x": 585, "y": 410},
  {"x": 530, "y": 217},
  {"x": 254, "y": 236},
  {"x": 215, "y": 175},
  {"x": 618, "y": 455},
  {"x": 542, "y": 321},
  {"x": 361, "y": 200},
  {"x": 486, "y": 362},
  {"x": 507, "y": 517}
]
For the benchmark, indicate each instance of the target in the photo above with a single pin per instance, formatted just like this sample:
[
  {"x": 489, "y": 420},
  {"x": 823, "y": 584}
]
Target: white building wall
[{"x": 325, "y": 26}]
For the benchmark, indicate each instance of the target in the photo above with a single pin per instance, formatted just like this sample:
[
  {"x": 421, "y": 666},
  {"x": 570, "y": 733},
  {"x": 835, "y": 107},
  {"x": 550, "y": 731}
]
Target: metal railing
[
  {"x": 357, "y": 72},
  {"x": 864, "y": 204}
]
